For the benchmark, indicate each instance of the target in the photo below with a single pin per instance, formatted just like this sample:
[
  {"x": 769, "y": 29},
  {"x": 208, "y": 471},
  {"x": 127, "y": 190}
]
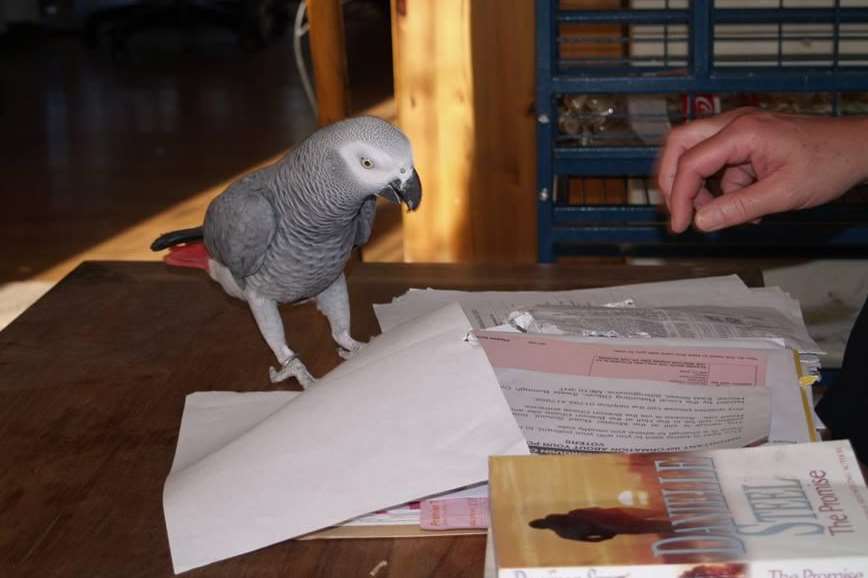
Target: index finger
[
  {"x": 725, "y": 148},
  {"x": 685, "y": 137}
]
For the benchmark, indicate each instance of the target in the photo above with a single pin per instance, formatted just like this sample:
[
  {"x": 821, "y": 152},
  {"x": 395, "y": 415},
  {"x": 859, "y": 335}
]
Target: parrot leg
[
  {"x": 221, "y": 274},
  {"x": 271, "y": 326},
  {"x": 334, "y": 302}
]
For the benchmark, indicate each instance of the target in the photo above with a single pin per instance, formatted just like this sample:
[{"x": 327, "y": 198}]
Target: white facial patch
[{"x": 371, "y": 167}]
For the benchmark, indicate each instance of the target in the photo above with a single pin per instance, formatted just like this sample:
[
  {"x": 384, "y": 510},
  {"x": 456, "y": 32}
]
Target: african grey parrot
[{"x": 283, "y": 233}]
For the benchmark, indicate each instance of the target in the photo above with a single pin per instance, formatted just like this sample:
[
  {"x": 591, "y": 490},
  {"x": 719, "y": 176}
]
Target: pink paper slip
[
  {"x": 453, "y": 514},
  {"x": 688, "y": 365}
]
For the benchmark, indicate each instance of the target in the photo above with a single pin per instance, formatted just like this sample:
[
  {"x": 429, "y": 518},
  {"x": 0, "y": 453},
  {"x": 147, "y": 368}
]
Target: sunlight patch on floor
[
  {"x": 133, "y": 243},
  {"x": 17, "y": 296}
]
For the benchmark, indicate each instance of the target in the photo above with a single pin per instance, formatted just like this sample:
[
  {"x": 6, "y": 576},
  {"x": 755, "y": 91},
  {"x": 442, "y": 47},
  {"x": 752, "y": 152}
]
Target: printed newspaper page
[
  {"x": 486, "y": 309},
  {"x": 688, "y": 322},
  {"x": 569, "y": 396}
]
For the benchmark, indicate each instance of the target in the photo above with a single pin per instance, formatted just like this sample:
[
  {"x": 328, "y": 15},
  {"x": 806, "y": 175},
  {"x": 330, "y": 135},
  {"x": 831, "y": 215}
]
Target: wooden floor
[{"x": 99, "y": 156}]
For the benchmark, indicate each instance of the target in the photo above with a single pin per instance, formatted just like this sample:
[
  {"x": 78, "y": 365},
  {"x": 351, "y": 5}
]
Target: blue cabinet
[{"x": 671, "y": 62}]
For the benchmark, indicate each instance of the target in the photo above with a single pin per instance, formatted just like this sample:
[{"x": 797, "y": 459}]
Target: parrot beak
[{"x": 409, "y": 192}]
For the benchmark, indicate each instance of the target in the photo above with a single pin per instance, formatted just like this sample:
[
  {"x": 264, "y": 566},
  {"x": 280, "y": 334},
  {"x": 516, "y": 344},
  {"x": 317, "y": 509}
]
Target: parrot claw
[
  {"x": 292, "y": 367},
  {"x": 347, "y": 346},
  {"x": 348, "y": 353}
]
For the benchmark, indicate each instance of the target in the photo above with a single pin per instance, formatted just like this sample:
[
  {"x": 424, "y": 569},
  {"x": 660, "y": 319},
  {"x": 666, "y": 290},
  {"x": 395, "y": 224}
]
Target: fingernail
[{"x": 707, "y": 220}]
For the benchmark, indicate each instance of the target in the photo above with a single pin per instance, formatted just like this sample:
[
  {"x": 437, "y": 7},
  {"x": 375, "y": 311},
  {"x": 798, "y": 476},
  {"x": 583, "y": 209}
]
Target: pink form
[{"x": 689, "y": 365}]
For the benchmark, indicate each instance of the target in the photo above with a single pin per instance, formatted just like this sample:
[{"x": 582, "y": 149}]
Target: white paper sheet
[
  {"x": 489, "y": 570},
  {"x": 416, "y": 412},
  {"x": 831, "y": 293},
  {"x": 566, "y": 413},
  {"x": 214, "y": 418}
]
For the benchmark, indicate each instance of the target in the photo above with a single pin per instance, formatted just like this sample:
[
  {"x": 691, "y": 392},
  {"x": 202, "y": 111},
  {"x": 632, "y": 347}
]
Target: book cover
[{"x": 781, "y": 511}]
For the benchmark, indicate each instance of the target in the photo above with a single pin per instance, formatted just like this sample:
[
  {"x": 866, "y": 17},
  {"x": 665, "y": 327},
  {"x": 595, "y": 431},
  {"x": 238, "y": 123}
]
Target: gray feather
[
  {"x": 365, "y": 222},
  {"x": 239, "y": 227}
]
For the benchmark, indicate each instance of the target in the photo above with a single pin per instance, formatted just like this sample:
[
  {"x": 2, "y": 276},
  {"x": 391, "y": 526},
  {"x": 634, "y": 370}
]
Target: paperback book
[{"x": 783, "y": 511}]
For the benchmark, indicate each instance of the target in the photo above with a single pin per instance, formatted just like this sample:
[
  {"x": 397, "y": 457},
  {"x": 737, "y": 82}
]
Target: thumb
[{"x": 748, "y": 204}]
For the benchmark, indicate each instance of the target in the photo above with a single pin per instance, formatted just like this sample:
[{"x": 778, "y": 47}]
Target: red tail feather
[{"x": 193, "y": 255}]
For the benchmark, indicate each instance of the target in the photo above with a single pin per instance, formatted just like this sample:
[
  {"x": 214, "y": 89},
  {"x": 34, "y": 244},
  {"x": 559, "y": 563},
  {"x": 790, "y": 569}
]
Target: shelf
[{"x": 693, "y": 52}]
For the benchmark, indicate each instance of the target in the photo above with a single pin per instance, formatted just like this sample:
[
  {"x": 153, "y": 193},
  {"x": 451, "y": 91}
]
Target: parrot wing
[
  {"x": 239, "y": 227},
  {"x": 364, "y": 222}
]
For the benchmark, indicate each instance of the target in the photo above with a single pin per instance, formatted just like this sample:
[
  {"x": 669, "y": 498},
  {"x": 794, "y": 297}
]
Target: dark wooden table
[{"x": 92, "y": 386}]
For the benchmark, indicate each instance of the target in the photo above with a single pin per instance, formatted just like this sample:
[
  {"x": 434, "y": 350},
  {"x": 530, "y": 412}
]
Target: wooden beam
[
  {"x": 464, "y": 86},
  {"x": 328, "y": 52}
]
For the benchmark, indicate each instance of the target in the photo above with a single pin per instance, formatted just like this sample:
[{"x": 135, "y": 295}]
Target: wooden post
[
  {"x": 328, "y": 52},
  {"x": 464, "y": 86}
]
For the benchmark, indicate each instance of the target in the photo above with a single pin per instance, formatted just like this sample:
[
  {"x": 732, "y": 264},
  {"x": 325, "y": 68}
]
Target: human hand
[{"x": 768, "y": 163}]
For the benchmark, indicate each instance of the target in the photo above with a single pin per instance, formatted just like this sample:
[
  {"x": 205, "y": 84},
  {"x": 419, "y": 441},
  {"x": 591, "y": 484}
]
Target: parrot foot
[
  {"x": 348, "y": 353},
  {"x": 347, "y": 346},
  {"x": 292, "y": 367}
]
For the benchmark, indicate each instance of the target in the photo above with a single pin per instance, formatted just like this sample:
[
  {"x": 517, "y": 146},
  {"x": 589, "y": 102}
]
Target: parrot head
[{"x": 378, "y": 159}]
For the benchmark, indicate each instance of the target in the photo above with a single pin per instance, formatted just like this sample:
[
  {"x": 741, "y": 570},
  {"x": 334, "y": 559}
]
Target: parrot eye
[
  {"x": 367, "y": 163},
  {"x": 403, "y": 170}
]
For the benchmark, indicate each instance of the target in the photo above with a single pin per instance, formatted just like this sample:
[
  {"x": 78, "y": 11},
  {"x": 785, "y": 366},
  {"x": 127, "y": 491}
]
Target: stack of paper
[
  {"x": 486, "y": 309},
  {"x": 417, "y": 411},
  {"x": 707, "y": 308},
  {"x": 576, "y": 394}
]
